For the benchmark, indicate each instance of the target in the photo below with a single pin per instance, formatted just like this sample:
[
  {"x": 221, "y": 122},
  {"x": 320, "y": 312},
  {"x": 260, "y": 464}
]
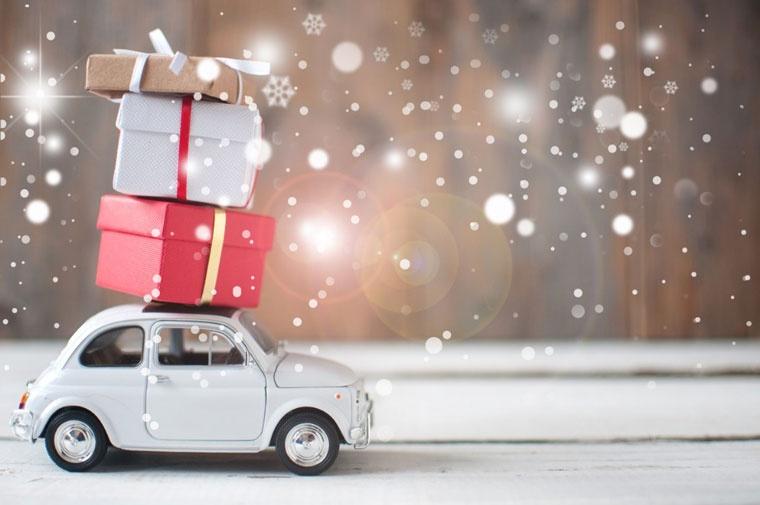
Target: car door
[
  {"x": 200, "y": 387},
  {"x": 107, "y": 373}
]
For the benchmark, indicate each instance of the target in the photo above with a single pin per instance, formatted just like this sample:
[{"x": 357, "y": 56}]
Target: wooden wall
[{"x": 716, "y": 199}]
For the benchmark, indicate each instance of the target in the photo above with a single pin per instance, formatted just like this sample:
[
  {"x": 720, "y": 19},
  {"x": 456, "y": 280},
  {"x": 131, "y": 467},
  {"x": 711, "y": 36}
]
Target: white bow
[{"x": 161, "y": 46}]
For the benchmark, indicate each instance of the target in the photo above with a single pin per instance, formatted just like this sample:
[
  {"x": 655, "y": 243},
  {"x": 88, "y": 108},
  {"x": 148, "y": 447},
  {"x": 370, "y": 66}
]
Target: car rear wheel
[
  {"x": 76, "y": 441},
  {"x": 307, "y": 444}
]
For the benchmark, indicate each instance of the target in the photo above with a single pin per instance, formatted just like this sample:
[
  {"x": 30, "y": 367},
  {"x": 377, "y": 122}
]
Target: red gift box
[{"x": 182, "y": 253}]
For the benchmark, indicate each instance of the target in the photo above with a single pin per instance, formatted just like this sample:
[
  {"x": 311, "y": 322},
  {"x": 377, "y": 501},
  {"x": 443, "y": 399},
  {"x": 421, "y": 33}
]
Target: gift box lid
[
  {"x": 161, "y": 114},
  {"x": 109, "y": 75},
  {"x": 182, "y": 221}
]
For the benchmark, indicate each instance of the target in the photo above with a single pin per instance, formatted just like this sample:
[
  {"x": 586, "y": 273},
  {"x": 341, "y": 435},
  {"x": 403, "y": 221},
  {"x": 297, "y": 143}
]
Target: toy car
[{"x": 178, "y": 379}]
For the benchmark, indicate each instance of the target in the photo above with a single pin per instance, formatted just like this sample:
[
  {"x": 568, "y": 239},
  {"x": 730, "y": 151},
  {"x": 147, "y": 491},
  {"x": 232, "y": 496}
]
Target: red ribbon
[{"x": 184, "y": 145}]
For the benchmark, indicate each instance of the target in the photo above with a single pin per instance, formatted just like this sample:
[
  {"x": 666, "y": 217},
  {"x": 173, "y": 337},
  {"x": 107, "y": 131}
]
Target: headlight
[{"x": 22, "y": 401}]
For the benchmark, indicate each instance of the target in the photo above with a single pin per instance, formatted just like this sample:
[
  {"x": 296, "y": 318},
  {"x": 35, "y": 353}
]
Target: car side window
[
  {"x": 224, "y": 352},
  {"x": 117, "y": 347},
  {"x": 182, "y": 345},
  {"x": 196, "y": 346}
]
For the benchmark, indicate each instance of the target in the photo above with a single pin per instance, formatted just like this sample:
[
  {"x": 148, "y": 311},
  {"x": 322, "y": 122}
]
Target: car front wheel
[
  {"x": 307, "y": 444},
  {"x": 76, "y": 441}
]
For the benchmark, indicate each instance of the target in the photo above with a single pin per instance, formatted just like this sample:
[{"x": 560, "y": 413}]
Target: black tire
[
  {"x": 304, "y": 420},
  {"x": 76, "y": 419}
]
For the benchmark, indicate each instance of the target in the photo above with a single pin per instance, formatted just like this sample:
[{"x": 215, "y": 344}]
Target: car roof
[
  {"x": 171, "y": 308},
  {"x": 156, "y": 311}
]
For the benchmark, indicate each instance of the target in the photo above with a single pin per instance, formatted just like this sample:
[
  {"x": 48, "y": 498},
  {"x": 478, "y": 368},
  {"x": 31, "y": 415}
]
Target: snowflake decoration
[
  {"x": 278, "y": 91},
  {"x": 623, "y": 146},
  {"x": 381, "y": 54},
  {"x": 314, "y": 24},
  {"x": 434, "y": 105},
  {"x": 659, "y": 136},
  {"x": 490, "y": 36},
  {"x": 600, "y": 128},
  {"x": 578, "y": 103},
  {"x": 608, "y": 81},
  {"x": 416, "y": 29},
  {"x": 406, "y": 84},
  {"x": 671, "y": 87}
]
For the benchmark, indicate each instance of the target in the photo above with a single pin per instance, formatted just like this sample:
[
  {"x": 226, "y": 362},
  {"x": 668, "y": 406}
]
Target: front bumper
[
  {"x": 360, "y": 434},
  {"x": 22, "y": 424}
]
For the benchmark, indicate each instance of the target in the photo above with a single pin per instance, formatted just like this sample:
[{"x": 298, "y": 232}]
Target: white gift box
[{"x": 219, "y": 141}]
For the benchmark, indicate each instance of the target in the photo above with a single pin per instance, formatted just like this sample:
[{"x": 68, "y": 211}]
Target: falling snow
[
  {"x": 508, "y": 148},
  {"x": 278, "y": 91},
  {"x": 490, "y": 36},
  {"x": 314, "y": 24},
  {"x": 671, "y": 87},
  {"x": 578, "y": 103},
  {"x": 416, "y": 29},
  {"x": 381, "y": 54}
]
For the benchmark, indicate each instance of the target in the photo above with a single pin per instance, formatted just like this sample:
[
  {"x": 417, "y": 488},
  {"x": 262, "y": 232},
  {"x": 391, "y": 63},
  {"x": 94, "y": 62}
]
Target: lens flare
[
  {"x": 414, "y": 262},
  {"x": 320, "y": 234}
]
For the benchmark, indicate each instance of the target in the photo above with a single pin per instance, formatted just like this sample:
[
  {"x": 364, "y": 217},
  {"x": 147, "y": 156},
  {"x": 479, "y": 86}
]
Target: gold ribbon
[{"x": 214, "y": 255}]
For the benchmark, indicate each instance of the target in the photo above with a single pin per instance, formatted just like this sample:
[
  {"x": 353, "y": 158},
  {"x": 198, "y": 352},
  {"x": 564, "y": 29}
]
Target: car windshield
[{"x": 259, "y": 335}]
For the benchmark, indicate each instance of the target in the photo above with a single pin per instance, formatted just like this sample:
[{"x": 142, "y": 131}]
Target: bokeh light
[
  {"x": 652, "y": 43},
  {"x": 208, "y": 69},
  {"x": 32, "y": 117},
  {"x": 633, "y": 125},
  {"x": 606, "y": 51},
  {"x": 53, "y": 177},
  {"x": 258, "y": 152},
  {"x": 54, "y": 143},
  {"x": 394, "y": 159},
  {"x": 318, "y": 159},
  {"x": 347, "y": 57},
  {"x": 526, "y": 227},
  {"x": 37, "y": 211},
  {"x": 709, "y": 85},
  {"x": 622, "y": 224},
  {"x": 588, "y": 177},
  {"x": 608, "y": 111},
  {"x": 516, "y": 104},
  {"x": 499, "y": 208}
]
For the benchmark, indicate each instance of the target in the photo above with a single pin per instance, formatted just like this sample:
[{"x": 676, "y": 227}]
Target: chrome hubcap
[
  {"x": 74, "y": 441},
  {"x": 307, "y": 444}
]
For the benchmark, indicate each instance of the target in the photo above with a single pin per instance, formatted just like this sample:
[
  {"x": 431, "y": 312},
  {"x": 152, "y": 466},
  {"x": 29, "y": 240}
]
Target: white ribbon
[
  {"x": 161, "y": 46},
  {"x": 137, "y": 72}
]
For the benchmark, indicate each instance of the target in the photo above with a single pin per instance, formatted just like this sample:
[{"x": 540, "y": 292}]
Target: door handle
[{"x": 162, "y": 378}]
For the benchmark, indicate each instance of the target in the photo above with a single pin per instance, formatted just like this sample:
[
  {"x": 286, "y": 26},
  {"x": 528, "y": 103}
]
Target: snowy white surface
[
  {"x": 583, "y": 391},
  {"x": 669, "y": 473}
]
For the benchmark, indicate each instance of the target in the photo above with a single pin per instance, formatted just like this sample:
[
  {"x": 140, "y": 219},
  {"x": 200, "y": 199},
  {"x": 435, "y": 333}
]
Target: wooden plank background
[{"x": 702, "y": 38}]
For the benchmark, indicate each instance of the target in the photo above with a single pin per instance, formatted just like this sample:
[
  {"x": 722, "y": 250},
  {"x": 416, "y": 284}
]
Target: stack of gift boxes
[{"x": 188, "y": 136}]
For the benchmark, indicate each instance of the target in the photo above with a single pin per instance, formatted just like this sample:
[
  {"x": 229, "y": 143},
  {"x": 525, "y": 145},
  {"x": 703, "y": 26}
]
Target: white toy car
[{"x": 168, "y": 378}]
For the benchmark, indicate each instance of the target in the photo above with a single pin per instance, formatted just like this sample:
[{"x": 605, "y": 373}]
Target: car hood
[{"x": 302, "y": 370}]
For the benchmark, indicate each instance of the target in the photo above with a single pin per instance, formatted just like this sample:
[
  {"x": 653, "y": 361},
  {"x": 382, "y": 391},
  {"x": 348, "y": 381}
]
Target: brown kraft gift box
[{"x": 109, "y": 75}]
